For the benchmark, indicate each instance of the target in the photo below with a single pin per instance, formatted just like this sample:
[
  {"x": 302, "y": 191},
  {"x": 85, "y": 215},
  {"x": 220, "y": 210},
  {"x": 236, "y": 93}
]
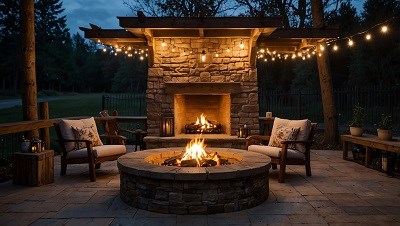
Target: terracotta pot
[
  {"x": 356, "y": 131},
  {"x": 384, "y": 134}
]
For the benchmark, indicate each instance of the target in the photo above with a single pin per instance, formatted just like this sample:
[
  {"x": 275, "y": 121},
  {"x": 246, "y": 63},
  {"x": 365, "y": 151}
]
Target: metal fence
[
  {"x": 133, "y": 104},
  {"x": 297, "y": 104}
]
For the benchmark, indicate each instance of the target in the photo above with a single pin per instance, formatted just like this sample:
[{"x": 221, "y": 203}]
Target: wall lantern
[
  {"x": 167, "y": 126},
  {"x": 203, "y": 56}
]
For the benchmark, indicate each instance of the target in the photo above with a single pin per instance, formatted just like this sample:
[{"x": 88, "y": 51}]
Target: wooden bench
[{"x": 369, "y": 142}]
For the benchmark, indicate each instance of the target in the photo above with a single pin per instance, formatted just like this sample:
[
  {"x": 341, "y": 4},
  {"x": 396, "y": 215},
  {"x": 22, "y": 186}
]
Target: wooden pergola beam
[{"x": 202, "y": 22}]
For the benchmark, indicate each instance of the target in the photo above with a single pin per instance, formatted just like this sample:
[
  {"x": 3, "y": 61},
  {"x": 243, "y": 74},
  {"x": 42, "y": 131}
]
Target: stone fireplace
[{"x": 223, "y": 87}]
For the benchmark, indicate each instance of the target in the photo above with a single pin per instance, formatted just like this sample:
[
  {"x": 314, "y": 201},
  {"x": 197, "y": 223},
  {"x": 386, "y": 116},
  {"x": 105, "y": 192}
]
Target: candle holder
[
  {"x": 167, "y": 126},
  {"x": 36, "y": 145}
]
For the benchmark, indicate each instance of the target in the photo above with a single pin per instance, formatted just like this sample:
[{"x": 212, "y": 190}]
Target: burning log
[
  {"x": 202, "y": 125},
  {"x": 196, "y": 156}
]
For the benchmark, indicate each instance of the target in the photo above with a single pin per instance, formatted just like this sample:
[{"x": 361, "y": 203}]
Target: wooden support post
[
  {"x": 45, "y": 132},
  {"x": 28, "y": 61}
]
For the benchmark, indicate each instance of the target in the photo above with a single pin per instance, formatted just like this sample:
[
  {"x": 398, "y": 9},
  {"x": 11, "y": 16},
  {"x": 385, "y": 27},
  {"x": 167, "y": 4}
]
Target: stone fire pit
[{"x": 193, "y": 190}]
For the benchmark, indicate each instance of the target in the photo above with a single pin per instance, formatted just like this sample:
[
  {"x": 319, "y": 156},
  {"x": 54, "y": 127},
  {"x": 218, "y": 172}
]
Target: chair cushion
[
  {"x": 67, "y": 132},
  {"x": 98, "y": 151},
  {"x": 275, "y": 151},
  {"x": 86, "y": 133},
  {"x": 304, "y": 132},
  {"x": 284, "y": 133}
]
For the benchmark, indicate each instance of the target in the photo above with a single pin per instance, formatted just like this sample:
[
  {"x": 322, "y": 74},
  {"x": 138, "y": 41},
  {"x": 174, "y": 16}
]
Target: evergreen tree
[
  {"x": 377, "y": 61},
  {"x": 53, "y": 44},
  {"x": 9, "y": 46}
]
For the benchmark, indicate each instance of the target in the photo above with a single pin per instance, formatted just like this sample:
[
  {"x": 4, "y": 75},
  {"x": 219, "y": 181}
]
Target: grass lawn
[{"x": 65, "y": 106}]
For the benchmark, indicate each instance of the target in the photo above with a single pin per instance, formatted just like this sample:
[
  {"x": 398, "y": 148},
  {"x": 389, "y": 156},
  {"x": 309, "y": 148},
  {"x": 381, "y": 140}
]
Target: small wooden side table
[
  {"x": 34, "y": 169},
  {"x": 267, "y": 125}
]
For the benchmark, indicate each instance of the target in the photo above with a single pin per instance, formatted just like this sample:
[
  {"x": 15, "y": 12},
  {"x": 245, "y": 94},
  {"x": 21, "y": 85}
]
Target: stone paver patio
[{"x": 339, "y": 193}]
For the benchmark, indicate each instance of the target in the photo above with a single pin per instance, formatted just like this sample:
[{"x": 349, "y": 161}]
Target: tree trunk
[
  {"x": 331, "y": 134},
  {"x": 28, "y": 71}
]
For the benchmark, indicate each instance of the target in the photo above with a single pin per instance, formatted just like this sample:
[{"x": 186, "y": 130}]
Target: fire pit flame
[
  {"x": 196, "y": 155},
  {"x": 195, "y": 150}
]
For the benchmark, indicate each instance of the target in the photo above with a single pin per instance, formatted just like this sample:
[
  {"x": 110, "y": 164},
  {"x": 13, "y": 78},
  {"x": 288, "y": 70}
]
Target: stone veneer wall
[{"x": 178, "y": 63}]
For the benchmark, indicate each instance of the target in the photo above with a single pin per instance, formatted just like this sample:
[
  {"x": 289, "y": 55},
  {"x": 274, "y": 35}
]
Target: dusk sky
[{"x": 103, "y": 13}]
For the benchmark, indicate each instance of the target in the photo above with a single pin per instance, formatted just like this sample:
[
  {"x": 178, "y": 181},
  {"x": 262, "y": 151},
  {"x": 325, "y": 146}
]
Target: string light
[
  {"x": 368, "y": 36},
  {"x": 335, "y": 47},
  {"x": 321, "y": 47},
  {"x": 104, "y": 49},
  {"x": 350, "y": 43},
  {"x": 228, "y": 50},
  {"x": 216, "y": 55},
  {"x": 163, "y": 44},
  {"x": 384, "y": 29}
]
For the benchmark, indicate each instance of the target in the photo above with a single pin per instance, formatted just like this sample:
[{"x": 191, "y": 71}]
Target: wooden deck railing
[{"x": 45, "y": 124}]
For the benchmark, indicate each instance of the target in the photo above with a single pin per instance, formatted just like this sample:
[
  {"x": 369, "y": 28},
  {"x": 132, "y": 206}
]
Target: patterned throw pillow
[
  {"x": 284, "y": 133},
  {"x": 86, "y": 133}
]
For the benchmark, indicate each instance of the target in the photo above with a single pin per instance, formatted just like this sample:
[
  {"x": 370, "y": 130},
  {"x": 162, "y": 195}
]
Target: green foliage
[
  {"x": 385, "y": 122},
  {"x": 131, "y": 76},
  {"x": 358, "y": 116}
]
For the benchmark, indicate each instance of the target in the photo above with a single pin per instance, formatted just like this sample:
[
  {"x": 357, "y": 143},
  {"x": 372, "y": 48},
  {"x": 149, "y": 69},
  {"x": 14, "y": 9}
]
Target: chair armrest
[
  {"x": 297, "y": 142},
  {"x": 119, "y": 138},
  {"x": 256, "y": 139},
  {"x": 67, "y": 140}
]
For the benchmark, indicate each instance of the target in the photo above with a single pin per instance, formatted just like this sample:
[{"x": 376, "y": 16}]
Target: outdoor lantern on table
[{"x": 243, "y": 132}]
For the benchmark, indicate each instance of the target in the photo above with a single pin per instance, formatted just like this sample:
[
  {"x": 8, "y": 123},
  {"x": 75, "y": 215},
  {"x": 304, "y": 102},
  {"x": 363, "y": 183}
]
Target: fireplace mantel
[{"x": 203, "y": 88}]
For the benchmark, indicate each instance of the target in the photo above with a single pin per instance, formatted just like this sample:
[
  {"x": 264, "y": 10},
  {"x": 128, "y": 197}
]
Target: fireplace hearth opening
[{"x": 202, "y": 114}]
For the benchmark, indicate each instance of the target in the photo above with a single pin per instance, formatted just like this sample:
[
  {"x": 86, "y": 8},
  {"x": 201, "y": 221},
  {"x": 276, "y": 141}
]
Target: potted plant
[
  {"x": 385, "y": 128},
  {"x": 357, "y": 122}
]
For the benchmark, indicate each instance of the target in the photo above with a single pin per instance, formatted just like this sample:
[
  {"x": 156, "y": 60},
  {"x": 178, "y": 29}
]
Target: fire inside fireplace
[
  {"x": 196, "y": 156},
  {"x": 203, "y": 125}
]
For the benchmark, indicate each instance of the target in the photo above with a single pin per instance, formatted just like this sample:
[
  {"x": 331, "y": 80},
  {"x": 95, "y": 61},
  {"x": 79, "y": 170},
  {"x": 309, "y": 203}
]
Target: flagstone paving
[{"x": 339, "y": 193}]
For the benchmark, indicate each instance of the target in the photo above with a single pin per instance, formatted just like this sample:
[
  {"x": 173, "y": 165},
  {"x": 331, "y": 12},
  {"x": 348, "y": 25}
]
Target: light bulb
[
  {"x": 321, "y": 47},
  {"x": 273, "y": 59},
  {"x": 216, "y": 55},
  {"x": 351, "y": 43},
  {"x": 163, "y": 44},
  {"x": 141, "y": 57},
  {"x": 335, "y": 47},
  {"x": 228, "y": 50},
  {"x": 265, "y": 60},
  {"x": 262, "y": 50},
  {"x": 129, "y": 48},
  {"x": 294, "y": 56},
  {"x": 104, "y": 49},
  {"x": 368, "y": 36},
  {"x": 241, "y": 45},
  {"x": 384, "y": 29}
]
